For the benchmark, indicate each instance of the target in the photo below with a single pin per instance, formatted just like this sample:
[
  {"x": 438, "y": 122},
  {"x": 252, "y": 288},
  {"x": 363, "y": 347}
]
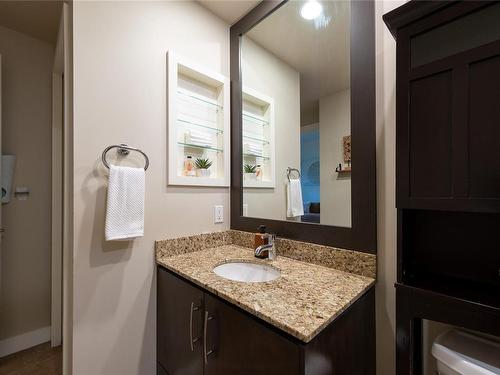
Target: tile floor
[{"x": 38, "y": 360}]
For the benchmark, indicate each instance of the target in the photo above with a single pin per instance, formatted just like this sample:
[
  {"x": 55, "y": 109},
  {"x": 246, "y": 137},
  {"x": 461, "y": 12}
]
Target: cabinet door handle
[
  {"x": 191, "y": 340},
  {"x": 206, "y": 352}
]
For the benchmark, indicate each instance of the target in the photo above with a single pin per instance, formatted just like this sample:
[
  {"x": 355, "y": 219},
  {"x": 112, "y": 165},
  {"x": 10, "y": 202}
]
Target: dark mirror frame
[{"x": 362, "y": 236}]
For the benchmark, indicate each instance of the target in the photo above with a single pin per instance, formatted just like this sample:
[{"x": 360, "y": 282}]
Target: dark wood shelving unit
[{"x": 447, "y": 169}]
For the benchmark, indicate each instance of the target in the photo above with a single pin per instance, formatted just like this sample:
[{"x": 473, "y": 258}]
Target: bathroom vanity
[
  {"x": 302, "y": 92},
  {"x": 310, "y": 320}
]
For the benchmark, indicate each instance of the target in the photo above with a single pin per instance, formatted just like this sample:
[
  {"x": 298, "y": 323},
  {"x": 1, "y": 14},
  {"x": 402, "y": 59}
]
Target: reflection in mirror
[{"x": 296, "y": 114}]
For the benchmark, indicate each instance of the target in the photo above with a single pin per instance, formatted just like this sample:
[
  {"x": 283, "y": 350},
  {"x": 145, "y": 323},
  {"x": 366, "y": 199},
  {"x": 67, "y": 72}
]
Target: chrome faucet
[{"x": 270, "y": 247}]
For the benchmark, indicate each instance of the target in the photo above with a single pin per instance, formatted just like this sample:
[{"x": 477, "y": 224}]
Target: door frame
[
  {"x": 57, "y": 190},
  {"x": 62, "y": 174},
  {"x": 1, "y": 227},
  {"x": 68, "y": 188}
]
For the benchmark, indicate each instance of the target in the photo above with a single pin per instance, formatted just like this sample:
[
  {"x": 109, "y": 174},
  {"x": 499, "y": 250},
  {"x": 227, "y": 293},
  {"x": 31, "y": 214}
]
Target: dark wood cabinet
[
  {"x": 344, "y": 347},
  {"x": 180, "y": 326},
  {"x": 447, "y": 169},
  {"x": 447, "y": 112},
  {"x": 229, "y": 341},
  {"x": 243, "y": 346},
  {"x": 160, "y": 370},
  {"x": 447, "y": 150}
]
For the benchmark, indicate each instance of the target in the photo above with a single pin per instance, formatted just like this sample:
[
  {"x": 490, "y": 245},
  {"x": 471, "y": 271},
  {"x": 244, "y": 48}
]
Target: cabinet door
[
  {"x": 237, "y": 344},
  {"x": 179, "y": 325},
  {"x": 160, "y": 370},
  {"x": 448, "y": 112}
]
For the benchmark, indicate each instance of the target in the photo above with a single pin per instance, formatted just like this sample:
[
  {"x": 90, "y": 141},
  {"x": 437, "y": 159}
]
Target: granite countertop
[{"x": 301, "y": 302}]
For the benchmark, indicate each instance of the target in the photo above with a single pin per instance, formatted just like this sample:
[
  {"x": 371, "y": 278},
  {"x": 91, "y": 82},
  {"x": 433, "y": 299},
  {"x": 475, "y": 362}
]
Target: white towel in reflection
[
  {"x": 125, "y": 205},
  {"x": 252, "y": 149},
  {"x": 294, "y": 206}
]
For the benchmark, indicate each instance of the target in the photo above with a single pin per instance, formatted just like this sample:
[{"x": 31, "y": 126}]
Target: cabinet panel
[
  {"x": 458, "y": 245},
  {"x": 175, "y": 316},
  {"x": 456, "y": 36},
  {"x": 341, "y": 346},
  {"x": 430, "y": 136},
  {"x": 484, "y": 128},
  {"x": 243, "y": 346},
  {"x": 160, "y": 370}
]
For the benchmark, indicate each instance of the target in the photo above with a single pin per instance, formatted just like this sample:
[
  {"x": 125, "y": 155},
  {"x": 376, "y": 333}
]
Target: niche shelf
[
  {"x": 343, "y": 171},
  {"x": 198, "y": 121},
  {"x": 258, "y": 138}
]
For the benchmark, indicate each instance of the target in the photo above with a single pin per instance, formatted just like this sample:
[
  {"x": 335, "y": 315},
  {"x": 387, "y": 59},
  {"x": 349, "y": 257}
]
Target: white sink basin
[{"x": 247, "y": 272}]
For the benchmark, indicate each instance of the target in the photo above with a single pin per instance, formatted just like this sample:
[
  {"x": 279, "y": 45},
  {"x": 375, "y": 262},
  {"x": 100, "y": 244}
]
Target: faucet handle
[{"x": 272, "y": 250}]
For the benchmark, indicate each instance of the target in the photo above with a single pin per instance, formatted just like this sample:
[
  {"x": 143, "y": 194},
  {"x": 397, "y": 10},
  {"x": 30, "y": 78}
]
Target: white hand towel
[
  {"x": 125, "y": 206},
  {"x": 294, "y": 205}
]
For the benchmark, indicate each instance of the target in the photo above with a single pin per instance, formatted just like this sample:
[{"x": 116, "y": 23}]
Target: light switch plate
[{"x": 218, "y": 214}]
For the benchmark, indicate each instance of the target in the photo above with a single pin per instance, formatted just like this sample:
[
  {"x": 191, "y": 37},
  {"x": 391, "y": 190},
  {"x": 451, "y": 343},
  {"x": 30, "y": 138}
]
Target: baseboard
[{"x": 24, "y": 341}]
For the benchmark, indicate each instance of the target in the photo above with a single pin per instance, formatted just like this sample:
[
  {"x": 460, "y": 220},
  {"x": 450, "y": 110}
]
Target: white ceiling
[
  {"x": 318, "y": 49},
  {"x": 39, "y": 19},
  {"x": 229, "y": 10}
]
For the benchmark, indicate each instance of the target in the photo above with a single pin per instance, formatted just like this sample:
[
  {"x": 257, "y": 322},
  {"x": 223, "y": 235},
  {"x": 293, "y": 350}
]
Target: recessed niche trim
[
  {"x": 254, "y": 101},
  {"x": 198, "y": 105}
]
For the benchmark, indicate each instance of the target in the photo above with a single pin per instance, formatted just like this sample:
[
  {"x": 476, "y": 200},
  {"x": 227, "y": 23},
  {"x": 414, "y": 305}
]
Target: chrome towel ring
[
  {"x": 123, "y": 150},
  {"x": 289, "y": 172}
]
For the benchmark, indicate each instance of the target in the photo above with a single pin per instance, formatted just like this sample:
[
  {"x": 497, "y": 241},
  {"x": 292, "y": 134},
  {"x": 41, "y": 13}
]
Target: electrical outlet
[
  {"x": 218, "y": 214},
  {"x": 245, "y": 209}
]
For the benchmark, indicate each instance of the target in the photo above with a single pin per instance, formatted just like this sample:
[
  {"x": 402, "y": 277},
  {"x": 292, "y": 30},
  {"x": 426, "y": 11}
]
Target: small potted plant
[
  {"x": 249, "y": 170},
  {"x": 202, "y": 166}
]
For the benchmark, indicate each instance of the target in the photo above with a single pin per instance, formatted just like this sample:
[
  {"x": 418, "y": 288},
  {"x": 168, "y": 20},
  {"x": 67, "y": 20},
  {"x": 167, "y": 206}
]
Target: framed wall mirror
[{"x": 303, "y": 122}]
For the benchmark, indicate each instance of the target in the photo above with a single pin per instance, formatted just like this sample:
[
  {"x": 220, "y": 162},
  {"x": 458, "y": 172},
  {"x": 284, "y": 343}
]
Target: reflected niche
[{"x": 295, "y": 71}]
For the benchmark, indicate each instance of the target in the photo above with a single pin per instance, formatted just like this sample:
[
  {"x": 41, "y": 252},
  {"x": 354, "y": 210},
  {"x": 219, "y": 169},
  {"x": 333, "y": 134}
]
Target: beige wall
[
  {"x": 386, "y": 211},
  {"x": 263, "y": 72},
  {"x": 26, "y": 95},
  {"x": 430, "y": 331},
  {"x": 386, "y": 126},
  {"x": 120, "y": 96},
  {"x": 335, "y": 189}
]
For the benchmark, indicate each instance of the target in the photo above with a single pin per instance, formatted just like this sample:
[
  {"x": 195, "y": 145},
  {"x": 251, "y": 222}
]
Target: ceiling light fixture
[{"x": 311, "y": 10}]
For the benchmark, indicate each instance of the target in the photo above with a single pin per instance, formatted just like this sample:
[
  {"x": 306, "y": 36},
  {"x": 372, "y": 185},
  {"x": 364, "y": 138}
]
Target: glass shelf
[
  {"x": 199, "y": 99},
  {"x": 256, "y": 156},
  {"x": 255, "y": 119},
  {"x": 265, "y": 141},
  {"x": 209, "y": 148},
  {"x": 184, "y": 122}
]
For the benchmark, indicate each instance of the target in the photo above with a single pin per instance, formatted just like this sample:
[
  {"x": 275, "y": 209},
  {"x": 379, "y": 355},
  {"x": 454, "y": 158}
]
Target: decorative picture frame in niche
[{"x": 346, "y": 142}]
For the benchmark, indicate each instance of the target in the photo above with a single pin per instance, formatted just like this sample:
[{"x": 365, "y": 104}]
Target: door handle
[
  {"x": 2, "y": 230},
  {"x": 191, "y": 340},
  {"x": 206, "y": 352}
]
